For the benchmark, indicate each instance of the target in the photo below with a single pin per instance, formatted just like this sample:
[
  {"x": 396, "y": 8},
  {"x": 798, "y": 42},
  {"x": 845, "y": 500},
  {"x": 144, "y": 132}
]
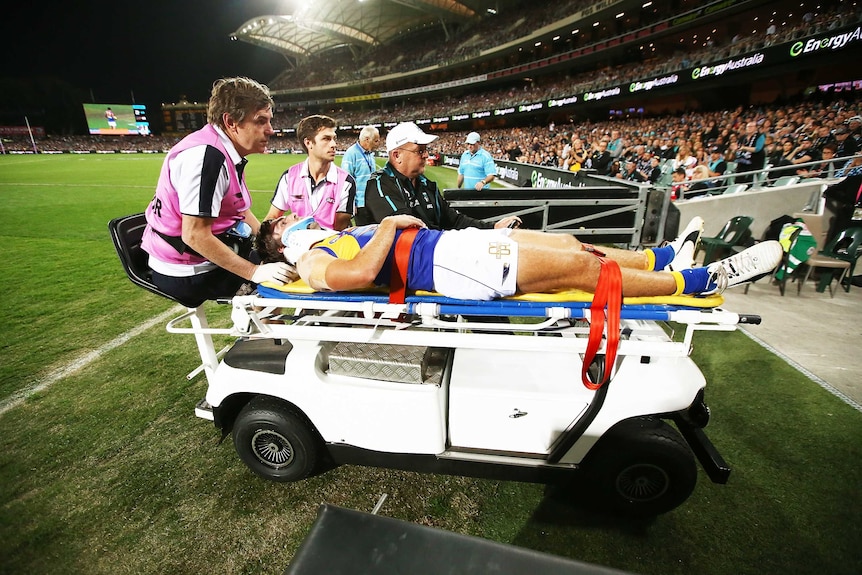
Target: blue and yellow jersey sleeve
[{"x": 346, "y": 244}]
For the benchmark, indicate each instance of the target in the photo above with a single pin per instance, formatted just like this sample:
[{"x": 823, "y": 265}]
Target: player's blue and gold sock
[
  {"x": 659, "y": 258},
  {"x": 691, "y": 281}
]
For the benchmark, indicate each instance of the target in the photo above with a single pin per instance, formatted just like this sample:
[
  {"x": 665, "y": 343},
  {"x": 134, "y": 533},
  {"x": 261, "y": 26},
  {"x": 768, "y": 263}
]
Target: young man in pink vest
[
  {"x": 199, "y": 224},
  {"x": 316, "y": 187}
]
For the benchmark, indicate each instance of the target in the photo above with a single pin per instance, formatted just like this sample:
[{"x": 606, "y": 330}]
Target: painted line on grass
[
  {"x": 822, "y": 383},
  {"x": 19, "y": 397}
]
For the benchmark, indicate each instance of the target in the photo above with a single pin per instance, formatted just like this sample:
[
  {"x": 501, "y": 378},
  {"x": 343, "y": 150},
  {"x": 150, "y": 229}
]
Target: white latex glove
[{"x": 277, "y": 273}]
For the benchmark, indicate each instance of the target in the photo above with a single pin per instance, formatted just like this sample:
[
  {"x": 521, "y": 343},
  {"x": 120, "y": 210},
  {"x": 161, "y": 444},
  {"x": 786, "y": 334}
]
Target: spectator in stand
[
  {"x": 684, "y": 160},
  {"x": 316, "y": 187},
  {"x": 536, "y": 145},
  {"x": 846, "y": 145},
  {"x": 678, "y": 184},
  {"x": 804, "y": 154},
  {"x": 826, "y": 168},
  {"x": 642, "y": 157},
  {"x": 567, "y": 149},
  {"x": 668, "y": 149},
  {"x": 615, "y": 145},
  {"x": 716, "y": 164},
  {"x": 550, "y": 158},
  {"x": 577, "y": 156},
  {"x": 476, "y": 169},
  {"x": 600, "y": 159},
  {"x": 201, "y": 212},
  {"x": 700, "y": 183},
  {"x": 824, "y": 136},
  {"x": 774, "y": 150},
  {"x": 615, "y": 170},
  {"x": 788, "y": 152},
  {"x": 710, "y": 132},
  {"x": 513, "y": 151},
  {"x": 749, "y": 151},
  {"x": 402, "y": 188},
  {"x": 655, "y": 169},
  {"x": 853, "y": 167},
  {"x": 359, "y": 161},
  {"x": 854, "y": 125},
  {"x": 631, "y": 173}
]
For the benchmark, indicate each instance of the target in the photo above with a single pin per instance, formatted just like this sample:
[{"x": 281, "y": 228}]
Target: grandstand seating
[{"x": 644, "y": 135}]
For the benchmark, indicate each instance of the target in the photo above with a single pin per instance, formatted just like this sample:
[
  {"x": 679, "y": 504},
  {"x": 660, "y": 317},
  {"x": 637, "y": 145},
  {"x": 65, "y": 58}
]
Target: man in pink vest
[
  {"x": 316, "y": 187},
  {"x": 199, "y": 224}
]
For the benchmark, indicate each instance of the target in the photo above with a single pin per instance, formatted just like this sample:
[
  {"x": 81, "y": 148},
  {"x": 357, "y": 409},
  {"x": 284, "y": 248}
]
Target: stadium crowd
[
  {"x": 566, "y": 84},
  {"x": 802, "y": 130},
  {"x": 427, "y": 48},
  {"x": 620, "y": 147}
]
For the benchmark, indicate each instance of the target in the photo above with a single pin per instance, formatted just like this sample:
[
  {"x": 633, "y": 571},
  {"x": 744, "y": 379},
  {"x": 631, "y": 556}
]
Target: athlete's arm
[{"x": 322, "y": 271}]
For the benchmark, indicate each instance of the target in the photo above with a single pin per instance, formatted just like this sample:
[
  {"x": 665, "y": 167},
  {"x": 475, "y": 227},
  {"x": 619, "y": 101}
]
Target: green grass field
[{"x": 107, "y": 470}]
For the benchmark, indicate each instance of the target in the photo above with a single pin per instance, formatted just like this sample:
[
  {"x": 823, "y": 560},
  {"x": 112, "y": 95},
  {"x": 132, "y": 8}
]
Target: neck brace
[{"x": 297, "y": 239}]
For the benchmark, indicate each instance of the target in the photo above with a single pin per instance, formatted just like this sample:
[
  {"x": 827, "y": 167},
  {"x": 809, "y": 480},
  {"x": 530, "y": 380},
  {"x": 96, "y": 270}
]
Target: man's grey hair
[{"x": 368, "y": 133}]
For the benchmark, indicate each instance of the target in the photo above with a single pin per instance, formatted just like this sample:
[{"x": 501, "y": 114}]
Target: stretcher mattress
[{"x": 523, "y": 305}]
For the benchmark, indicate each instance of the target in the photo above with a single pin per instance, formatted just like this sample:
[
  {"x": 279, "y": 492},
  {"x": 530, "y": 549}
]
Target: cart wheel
[
  {"x": 640, "y": 467},
  {"x": 274, "y": 441}
]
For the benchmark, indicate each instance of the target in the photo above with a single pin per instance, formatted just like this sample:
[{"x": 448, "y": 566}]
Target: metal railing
[{"x": 767, "y": 177}]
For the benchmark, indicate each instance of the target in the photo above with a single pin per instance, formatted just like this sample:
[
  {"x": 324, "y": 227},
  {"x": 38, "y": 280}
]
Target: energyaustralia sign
[
  {"x": 730, "y": 65},
  {"x": 833, "y": 42}
]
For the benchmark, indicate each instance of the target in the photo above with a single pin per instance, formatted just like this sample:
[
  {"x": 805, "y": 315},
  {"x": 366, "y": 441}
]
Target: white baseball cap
[
  {"x": 407, "y": 132},
  {"x": 473, "y": 138}
]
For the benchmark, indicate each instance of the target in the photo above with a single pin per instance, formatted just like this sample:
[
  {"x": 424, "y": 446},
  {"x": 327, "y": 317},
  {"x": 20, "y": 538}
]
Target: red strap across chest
[{"x": 400, "y": 263}]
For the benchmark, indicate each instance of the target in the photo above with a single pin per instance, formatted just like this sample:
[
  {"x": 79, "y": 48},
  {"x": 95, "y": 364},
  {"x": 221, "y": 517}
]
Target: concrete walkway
[{"x": 819, "y": 334}]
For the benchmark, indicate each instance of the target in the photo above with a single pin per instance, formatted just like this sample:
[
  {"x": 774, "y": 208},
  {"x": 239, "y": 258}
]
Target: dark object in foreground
[{"x": 345, "y": 541}]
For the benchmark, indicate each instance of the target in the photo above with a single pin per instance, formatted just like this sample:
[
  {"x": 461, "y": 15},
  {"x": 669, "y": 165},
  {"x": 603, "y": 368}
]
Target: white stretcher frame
[{"x": 334, "y": 317}]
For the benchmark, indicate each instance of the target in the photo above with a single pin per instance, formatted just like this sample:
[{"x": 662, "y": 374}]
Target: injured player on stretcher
[{"x": 486, "y": 264}]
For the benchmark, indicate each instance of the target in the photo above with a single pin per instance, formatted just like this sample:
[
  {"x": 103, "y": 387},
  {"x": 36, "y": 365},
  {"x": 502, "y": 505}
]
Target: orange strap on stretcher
[
  {"x": 400, "y": 263},
  {"x": 607, "y": 299}
]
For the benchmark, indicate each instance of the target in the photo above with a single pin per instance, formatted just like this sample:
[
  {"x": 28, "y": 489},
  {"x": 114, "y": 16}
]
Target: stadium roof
[{"x": 319, "y": 25}]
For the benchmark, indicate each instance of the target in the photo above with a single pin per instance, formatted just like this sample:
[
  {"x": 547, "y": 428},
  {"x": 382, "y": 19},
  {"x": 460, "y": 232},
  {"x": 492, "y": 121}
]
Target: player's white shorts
[{"x": 476, "y": 264}]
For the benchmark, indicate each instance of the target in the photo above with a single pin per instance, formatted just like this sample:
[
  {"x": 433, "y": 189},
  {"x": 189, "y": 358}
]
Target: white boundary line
[
  {"x": 825, "y": 385},
  {"x": 19, "y": 397}
]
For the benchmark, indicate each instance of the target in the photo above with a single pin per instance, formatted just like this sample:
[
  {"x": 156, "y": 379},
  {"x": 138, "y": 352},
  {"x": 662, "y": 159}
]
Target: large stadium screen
[{"x": 117, "y": 119}]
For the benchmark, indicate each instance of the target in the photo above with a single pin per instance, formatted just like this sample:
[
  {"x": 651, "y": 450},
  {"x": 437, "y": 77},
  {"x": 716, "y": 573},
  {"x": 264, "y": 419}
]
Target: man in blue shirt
[
  {"x": 477, "y": 169},
  {"x": 358, "y": 161}
]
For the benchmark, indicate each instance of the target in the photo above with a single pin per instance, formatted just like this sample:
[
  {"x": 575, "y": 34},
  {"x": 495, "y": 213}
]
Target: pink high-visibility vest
[
  {"x": 298, "y": 200},
  {"x": 163, "y": 214}
]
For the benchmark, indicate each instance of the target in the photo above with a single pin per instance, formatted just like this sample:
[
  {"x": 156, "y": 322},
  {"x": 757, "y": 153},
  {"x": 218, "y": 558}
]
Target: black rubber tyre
[
  {"x": 640, "y": 467},
  {"x": 275, "y": 441}
]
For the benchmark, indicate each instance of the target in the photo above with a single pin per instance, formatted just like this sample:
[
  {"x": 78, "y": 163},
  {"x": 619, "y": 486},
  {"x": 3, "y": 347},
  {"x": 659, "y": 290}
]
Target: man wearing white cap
[
  {"x": 402, "y": 188},
  {"x": 477, "y": 169}
]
